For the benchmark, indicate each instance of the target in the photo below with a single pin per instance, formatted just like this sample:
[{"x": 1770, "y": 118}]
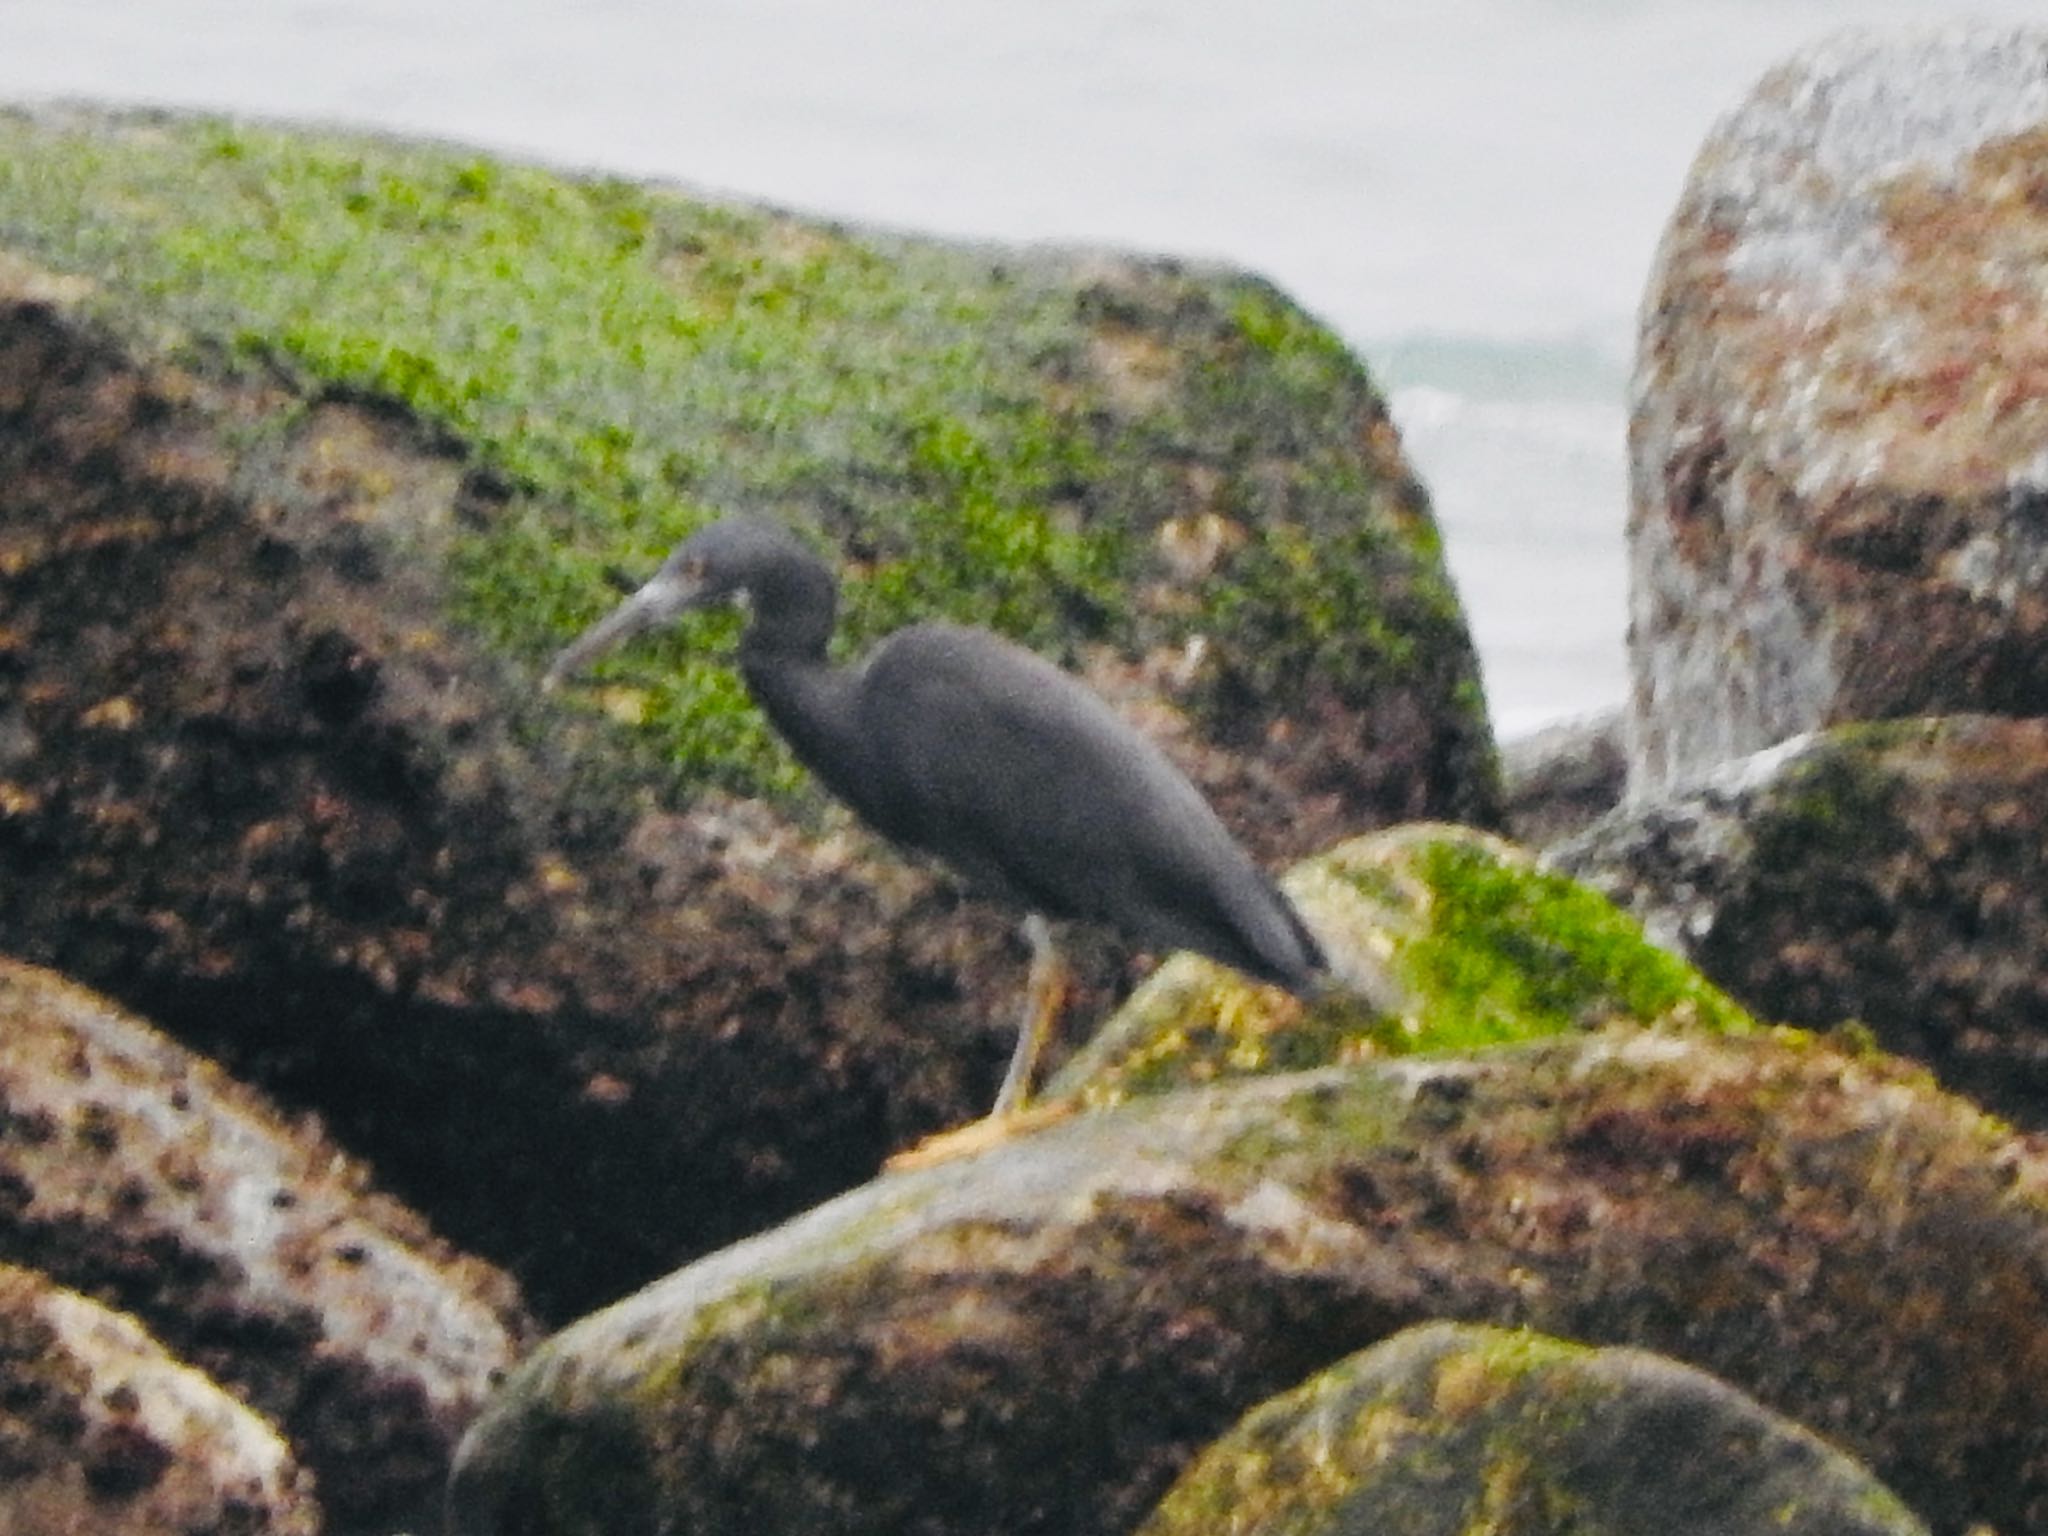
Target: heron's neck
[{"x": 811, "y": 704}]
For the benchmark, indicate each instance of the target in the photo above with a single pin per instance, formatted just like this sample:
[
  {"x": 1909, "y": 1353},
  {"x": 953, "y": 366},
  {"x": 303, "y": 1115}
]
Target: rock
[
  {"x": 101, "y": 1430},
  {"x": 1041, "y": 1338},
  {"x": 313, "y": 449},
  {"x": 136, "y": 1173},
  {"x": 1561, "y": 779},
  {"x": 1445, "y": 938},
  {"x": 1446, "y": 1430},
  {"x": 1839, "y": 443},
  {"x": 1894, "y": 874}
]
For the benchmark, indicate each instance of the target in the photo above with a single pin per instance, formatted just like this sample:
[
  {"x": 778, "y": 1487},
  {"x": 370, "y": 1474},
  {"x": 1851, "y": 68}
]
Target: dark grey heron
[{"x": 959, "y": 744}]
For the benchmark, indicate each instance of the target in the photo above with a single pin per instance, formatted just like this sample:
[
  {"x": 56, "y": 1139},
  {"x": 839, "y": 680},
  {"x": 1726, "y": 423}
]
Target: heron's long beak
[{"x": 657, "y": 602}]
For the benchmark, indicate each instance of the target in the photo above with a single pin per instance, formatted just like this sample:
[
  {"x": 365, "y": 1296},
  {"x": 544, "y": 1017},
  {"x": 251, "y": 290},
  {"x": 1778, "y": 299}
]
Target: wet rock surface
[
  {"x": 1444, "y": 1430},
  {"x": 138, "y": 1174},
  {"x": 101, "y": 1430},
  {"x": 1041, "y": 1338},
  {"x": 1895, "y": 874},
  {"x": 1839, "y": 444}
]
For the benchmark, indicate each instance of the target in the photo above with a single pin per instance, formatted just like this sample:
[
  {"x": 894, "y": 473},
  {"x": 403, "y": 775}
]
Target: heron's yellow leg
[{"x": 1043, "y": 995}]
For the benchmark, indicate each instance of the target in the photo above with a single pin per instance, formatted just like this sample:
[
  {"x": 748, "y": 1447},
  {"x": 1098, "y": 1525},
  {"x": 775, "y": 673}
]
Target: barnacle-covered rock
[
  {"x": 101, "y": 1430},
  {"x": 1894, "y": 873},
  {"x": 133, "y": 1171}
]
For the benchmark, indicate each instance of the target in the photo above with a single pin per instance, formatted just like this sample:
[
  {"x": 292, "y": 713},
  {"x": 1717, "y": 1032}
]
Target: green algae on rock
[
  {"x": 312, "y": 446},
  {"x": 998, "y": 436},
  {"x": 102, "y": 1430},
  {"x": 1447, "y": 939},
  {"x": 1041, "y": 1337},
  {"x": 1447, "y": 1429}
]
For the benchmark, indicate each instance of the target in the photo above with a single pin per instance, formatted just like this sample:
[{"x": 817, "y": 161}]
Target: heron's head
[{"x": 737, "y": 558}]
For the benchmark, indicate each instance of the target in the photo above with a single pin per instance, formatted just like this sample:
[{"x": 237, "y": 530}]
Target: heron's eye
[{"x": 694, "y": 568}]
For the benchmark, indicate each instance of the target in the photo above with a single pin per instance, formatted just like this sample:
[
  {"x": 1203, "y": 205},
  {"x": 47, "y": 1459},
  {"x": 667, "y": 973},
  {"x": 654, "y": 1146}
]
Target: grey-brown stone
[
  {"x": 1839, "y": 442},
  {"x": 1894, "y": 873},
  {"x": 1562, "y": 778}
]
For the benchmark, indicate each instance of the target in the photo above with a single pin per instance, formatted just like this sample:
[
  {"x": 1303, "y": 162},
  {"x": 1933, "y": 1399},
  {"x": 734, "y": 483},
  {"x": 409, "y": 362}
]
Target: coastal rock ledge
[
  {"x": 1039, "y": 1339},
  {"x": 102, "y": 1430},
  {"x": 1839, "y": 441}
]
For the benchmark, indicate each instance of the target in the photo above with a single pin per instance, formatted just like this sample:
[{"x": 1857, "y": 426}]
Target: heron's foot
[{"x": 979, "y": 1135}]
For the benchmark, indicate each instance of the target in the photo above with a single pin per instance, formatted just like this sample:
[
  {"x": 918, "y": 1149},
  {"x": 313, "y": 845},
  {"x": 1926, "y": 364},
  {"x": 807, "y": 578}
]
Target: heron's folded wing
[{"x": 1015, "y": 773}]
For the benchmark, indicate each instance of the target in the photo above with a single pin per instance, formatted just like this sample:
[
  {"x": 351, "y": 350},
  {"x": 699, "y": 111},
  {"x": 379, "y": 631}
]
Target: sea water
[{"x": 1469, "y": 190}]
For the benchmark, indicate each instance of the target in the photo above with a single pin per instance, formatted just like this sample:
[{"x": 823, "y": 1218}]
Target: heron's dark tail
[
  {"x": 1282, "y": 949},
  {"x": 1311, "y": 975}
]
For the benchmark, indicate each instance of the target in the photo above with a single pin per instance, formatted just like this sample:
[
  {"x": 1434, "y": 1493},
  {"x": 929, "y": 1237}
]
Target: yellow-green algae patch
[
  {"x": 1451, "y": 1430},
  {"x": 619, "y": 364},
  {"x": 1441, "y": 939}
]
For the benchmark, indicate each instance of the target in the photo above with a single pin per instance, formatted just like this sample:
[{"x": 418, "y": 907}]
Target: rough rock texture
[
  {"x": 311, "y": 451},
  {"x": 1038, "y": 1340},
  {"x": 1839, "y": 443},
  {"x": 101, "y": 1431},
  {"x": 1561, "y": 779},
  {"x": 1448, "y": 1430},
  {"x": 1895, "y": 874},
  {"x": 1444, "y": 938},
  {"x": 133, "y": 1172}
]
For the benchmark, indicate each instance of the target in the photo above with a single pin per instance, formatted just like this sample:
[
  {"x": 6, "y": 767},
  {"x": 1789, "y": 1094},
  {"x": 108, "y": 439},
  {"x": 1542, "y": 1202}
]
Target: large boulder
[
  {"x": 136, "y": 1173},
  {"x": 1040, "y": 1338},
  {"x": 1839, "y": 444},
  {"x": 1446, "y": 1430},
  {"x": 101, "y": 1430},
  {"x": 312, "y": 449},
  {"x": 1895, "y": 874}
]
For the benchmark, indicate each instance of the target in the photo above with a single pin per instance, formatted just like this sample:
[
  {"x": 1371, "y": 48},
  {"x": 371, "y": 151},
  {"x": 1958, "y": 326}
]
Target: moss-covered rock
[
  {"x": 1447, "y": 1430},
  {"x": 1071, "y": 450},
  {"x": 1444, "y": 938},
  {"x": 1895, "y": 874},
  {"x": 1040, "y": 1338},
  {"x": 101, "y": 1430},
  {"x": 133, "y": 1172},
  {"x": 312, "y": 447}
]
